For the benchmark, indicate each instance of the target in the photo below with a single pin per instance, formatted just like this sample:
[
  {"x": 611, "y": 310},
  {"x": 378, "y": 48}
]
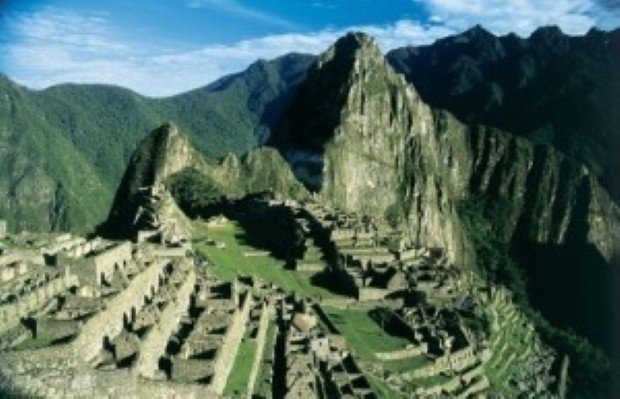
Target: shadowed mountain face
[
  {"x": 64, "y": 149},
  {"x": 551, "y": 88}
]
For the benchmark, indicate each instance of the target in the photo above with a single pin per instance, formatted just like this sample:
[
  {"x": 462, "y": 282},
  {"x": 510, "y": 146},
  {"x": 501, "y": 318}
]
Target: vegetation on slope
[
  {"x": 195, "y": 192},
  {"x": 64, "y": 149},
  {"x": 590, "y": 369}
]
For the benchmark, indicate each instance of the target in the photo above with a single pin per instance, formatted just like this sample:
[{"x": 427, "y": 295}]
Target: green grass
[
  {"x": 382, "y": 389},
  {"x": 431, "y": 381},
  {"x": 230, "y": 262},
  {"x": 405, "y": 365},
  {"x": 238, "y": 379},
  {"x": 33, "y": 343},
  {"x": 364, "y": 335},
  {"x": 262, "y": 387}
]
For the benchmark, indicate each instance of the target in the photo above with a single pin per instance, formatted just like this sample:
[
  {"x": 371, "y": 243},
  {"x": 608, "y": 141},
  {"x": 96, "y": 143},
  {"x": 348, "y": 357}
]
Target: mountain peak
[
  {"x": 168, "y": 152},
  {"x": 162, "y": 153},
  {"x": 356, "y": 40},
  {"x": 477, "y": 31},
  {"x": 547, "y": 33},
  {"x": 352, "y": 45}
]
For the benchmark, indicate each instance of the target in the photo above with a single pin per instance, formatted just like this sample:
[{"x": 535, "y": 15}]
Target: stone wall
[
  {"x": 371, "y": 294},
  {"x": 155, "y": 342},
  {"x": 111, "y": 258},
  {"x": 54, "y": 373},
  {"x": 228, "y": 351},
  {"x": 261, "y": 336},
  {"x": 10, "y": 314},
  {"x": 403, "y": 353},
  {"x": 457, "y": 360},
  {"x": 83, "y": 248},
  {"x": 480, "y": 385},
  {"x": 97, "y": 266},
  {"x": 109, "y": 322}
]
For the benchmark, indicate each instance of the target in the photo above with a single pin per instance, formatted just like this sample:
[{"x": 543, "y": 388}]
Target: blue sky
[{"x": 164, "y": 47}]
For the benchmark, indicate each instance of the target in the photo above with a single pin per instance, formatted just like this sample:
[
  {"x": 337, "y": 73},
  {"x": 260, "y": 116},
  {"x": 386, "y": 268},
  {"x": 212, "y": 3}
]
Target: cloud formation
[
  {"x": 240, "y": 10},
  {"x": 519, "y": 16}
]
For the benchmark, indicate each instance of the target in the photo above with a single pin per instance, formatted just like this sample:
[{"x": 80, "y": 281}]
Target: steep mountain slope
[
  {"x": 93, "y": 129},
  {"x": 363, "y": 139},
  {"x": 44, "y": 182},
  {"x": 551, "y": 87},
  {"x": 165, "y": 169}
]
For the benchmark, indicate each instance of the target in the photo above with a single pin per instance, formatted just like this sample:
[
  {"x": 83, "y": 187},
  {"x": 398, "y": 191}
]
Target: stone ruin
[{"x": 91, "y": 318}]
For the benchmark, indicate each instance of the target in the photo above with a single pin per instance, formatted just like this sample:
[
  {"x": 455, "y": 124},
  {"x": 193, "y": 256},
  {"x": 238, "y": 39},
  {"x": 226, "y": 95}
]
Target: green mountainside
[{"x": 65, "y": 148}]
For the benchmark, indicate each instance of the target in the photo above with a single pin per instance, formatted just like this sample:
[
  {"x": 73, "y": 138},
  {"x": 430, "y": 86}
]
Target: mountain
[
  {"x": 362, "y": 138},
  {"x": 166, "y": 172},
  {"x": 551, "y": 88},
  {"x": 64, "y": 149}
]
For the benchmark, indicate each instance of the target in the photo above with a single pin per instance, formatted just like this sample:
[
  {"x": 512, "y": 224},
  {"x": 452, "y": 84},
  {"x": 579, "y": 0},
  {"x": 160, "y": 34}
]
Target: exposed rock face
[
  {"x": 162, "y": 153},
  {"x": 363, "y": 138},
  {"x": 356, "y": 130}
]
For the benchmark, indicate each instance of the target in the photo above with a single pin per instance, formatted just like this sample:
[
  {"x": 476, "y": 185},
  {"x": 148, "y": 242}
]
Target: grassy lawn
[
  {"x": 404, "y": 365},
  {"x": 432, "y": 381},
  {"x": 238, "y": 379},
  {"x": 363, "y": 334},
  {"x": 382, "y": 389},
  {"x": 33, "y": 343},
  {"x": 231, "y": 261}
]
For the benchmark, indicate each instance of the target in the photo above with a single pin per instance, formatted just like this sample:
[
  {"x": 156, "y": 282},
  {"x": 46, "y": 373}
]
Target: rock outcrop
[{"x": 144, "y": 202}]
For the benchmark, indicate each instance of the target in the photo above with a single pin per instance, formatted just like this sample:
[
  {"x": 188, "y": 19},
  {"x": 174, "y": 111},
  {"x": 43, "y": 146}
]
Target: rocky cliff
[{"x": 359, "y": 135}]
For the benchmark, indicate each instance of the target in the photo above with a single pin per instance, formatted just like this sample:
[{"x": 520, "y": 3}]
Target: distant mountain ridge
[
  {"x": 64, "y": 149},
  {"x": 550, "y": 87}
]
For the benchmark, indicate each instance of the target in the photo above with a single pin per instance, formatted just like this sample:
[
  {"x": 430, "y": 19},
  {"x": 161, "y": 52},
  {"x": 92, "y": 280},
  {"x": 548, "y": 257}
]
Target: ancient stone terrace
[{"x": 149, "y": 316}]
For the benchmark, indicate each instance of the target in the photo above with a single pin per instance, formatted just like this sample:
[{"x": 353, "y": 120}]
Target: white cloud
[
  {"x": 519, "y": 16},
  {"x": 236, "y": 8}
]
